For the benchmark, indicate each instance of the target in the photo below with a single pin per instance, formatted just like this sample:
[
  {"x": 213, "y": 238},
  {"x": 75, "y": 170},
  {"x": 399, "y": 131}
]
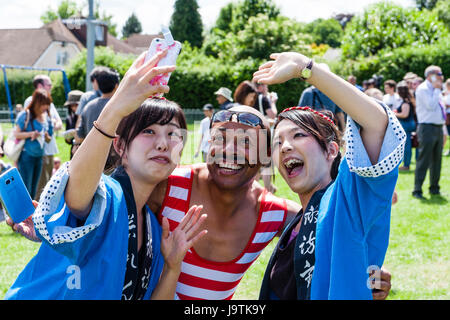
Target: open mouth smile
[
  {"x": 293, "y": 166},
  {"x": 229, "y": 168}
]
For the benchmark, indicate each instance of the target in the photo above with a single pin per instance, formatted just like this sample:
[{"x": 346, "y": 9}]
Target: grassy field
[{"x": 418, "y": 255}]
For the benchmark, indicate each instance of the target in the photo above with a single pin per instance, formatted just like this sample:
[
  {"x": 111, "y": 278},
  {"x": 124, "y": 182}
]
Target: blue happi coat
[
  {"x": 353, "y": 221},
  {"x": 83, "y": 260}
]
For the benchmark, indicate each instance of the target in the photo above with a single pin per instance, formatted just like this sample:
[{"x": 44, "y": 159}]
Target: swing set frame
[{"x": 8, "y": 94}]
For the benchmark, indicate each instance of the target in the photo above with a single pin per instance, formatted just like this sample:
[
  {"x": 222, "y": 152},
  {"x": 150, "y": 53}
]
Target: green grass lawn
[{"x": 418, "y": 255}]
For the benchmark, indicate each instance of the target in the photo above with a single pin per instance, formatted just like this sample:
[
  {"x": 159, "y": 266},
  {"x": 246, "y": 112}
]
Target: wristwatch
[{"x": 306, "y": 72}]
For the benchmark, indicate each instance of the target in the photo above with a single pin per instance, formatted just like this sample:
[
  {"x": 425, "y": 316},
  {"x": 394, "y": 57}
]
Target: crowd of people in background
[{"x": 421, "y": 105}]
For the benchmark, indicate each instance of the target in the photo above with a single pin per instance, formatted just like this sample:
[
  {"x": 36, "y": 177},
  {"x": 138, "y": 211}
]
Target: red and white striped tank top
[{"x": 209, "y": 280}]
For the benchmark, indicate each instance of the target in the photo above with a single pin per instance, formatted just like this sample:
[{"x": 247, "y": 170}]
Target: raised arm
[
  {"x": 364, "y": 110},
  {"x": 88, "y": 162}
]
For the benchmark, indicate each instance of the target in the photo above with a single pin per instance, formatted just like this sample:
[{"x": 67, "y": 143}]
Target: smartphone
[
  {"x": 170, "y": 59},
  {"x": 14, "y": 196},
  {"x": 433, "y": 78}
]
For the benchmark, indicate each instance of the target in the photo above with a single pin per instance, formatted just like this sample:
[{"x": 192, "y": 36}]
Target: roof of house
[
  {"x": 141, "y": 41},
  {"x": 25, "y": 46},
  {"x": 120, "y": 46}
]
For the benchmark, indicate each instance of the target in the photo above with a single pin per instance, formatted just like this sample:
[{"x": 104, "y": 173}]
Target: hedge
[
  {"x": 20, "y": 83},
  {"x": 197, "y": 76},
  {"x": 394, "y": 64}
]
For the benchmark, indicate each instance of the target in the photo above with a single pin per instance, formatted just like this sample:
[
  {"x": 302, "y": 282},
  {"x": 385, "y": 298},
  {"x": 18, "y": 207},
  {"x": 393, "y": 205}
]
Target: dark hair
[
  {"x": 94, "y": 72},
  {"x": 243, "y": 90},
  {"x": 40, "y": 97},
  {"x": 405, "y": 94},
  {"x": 39, "y": 79},
  {"x": 107, "y": 79},
  {"x": 152, "y": 111},
  {"x": 390, "y": 83},
  {"x": 403, "y": 91},
  {"x": 320, "y": 128}
]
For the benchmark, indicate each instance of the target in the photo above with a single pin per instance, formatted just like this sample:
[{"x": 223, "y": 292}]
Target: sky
[{"x": 152, "y": 13}]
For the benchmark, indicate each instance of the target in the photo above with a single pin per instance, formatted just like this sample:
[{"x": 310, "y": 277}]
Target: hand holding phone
[
  {"x": 14, "y": 196},
  {"x": 158, "y": 45}
]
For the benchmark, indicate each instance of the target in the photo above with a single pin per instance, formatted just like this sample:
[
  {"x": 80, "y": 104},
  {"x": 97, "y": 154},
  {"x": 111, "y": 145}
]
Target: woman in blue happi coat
[
  {"x": 335, "y": 247},
  {"x": 113, "y": 249}
]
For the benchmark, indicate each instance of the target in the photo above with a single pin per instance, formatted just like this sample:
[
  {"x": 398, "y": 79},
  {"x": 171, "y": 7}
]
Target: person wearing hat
[
  {"x": 223, "y": 96},
  {"x": 204, "y": 131},
  {"x": 72, "y": 103}
]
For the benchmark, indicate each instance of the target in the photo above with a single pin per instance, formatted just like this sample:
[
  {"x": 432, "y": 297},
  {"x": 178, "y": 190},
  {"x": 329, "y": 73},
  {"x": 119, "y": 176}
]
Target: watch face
[{"x": 306, "y": 73}]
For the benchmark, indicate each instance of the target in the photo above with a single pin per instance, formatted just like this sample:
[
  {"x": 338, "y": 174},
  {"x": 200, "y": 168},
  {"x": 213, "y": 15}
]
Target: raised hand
[
  {"x": 283, "y": 67},
  {"x": 174, "y": 245},
  {"x": 26, "y": 227}
]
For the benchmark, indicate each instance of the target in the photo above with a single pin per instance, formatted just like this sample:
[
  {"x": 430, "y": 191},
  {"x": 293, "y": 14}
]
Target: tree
[
  {"x": 68, "y": 8},
  {"x": 258, "y": 39},
  {"x": 385, "y": 26},
  {"x": 132, "y": 25},
  {"x": 246, "y": 9},
  {"x": 426, "y": 4},
  {"x": 186, "y": 23},
  {"x": 443, "y": 12},
  {"x": 65, "y": 10},
  {"x": 225, "y": 18},
  {"x": 326, "y": 31}
]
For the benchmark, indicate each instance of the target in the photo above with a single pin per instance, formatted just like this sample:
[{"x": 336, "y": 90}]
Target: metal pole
[
  {"x": 90, "y": 43},
  {"x": 8, "y": 95}
]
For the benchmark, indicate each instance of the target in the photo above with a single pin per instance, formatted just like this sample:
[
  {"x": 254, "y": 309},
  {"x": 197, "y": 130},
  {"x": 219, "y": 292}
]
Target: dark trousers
[
  {"x": 431, "y": 138},
  {"x": 30, "y": 169}
]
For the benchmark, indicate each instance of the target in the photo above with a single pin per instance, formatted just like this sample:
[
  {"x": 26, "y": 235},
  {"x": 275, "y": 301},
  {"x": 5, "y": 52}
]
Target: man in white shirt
[
  {"x": 391, "y": 98},
  {"x": 204, "y": 131},
  {"x": 430, "y": 118},
  {"x": 50, "y": 148}
]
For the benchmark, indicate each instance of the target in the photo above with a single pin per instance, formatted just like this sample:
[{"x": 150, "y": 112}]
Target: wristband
[{"x": 103, "y": 132}]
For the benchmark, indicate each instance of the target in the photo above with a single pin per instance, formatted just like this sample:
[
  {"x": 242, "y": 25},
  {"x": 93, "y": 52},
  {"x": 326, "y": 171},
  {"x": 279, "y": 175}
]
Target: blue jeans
[
  {"x": 409, "y": 127},
  {"x": 30, "y": 169}
]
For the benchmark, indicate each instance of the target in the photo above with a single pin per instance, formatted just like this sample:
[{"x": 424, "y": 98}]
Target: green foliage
[
  {"x": 20, "y": 83},
  {"x": 66, "y": 9},
  {"x": 387, "y": 26},
  {"x": 198, "y": 76},
  {"x": 426, "y": 4},
  {"x": 260, "y": 37},
  {"x": 394, "y": 64},
  {"x": 104, "y": 56},
  {"x": 225, "y": 18},
  {"x": 107, "y": 18},
  {"x": 186, "y": 22},
  {"x": 442, "y": 10},
  {"x": 326, "y": 31},
  {"x": 246, "y": 9},
  {"x": 132, "y": 25}
]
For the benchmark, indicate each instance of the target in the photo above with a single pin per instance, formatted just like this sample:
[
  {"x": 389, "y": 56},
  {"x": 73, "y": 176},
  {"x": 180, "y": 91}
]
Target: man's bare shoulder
[
  {"x": 156, "y": 199},
  {"x": 292, "y": 207}
]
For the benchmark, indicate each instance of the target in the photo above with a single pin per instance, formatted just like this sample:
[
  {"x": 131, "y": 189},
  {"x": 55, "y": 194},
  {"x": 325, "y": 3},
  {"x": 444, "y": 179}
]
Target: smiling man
[{"x": 242, "y": 216}]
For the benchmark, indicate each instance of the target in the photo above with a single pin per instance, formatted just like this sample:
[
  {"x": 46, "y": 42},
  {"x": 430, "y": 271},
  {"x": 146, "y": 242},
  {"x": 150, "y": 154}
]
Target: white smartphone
[
  {"x": 433, "y": 78},
  {"x": 170, "y": 59}
]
